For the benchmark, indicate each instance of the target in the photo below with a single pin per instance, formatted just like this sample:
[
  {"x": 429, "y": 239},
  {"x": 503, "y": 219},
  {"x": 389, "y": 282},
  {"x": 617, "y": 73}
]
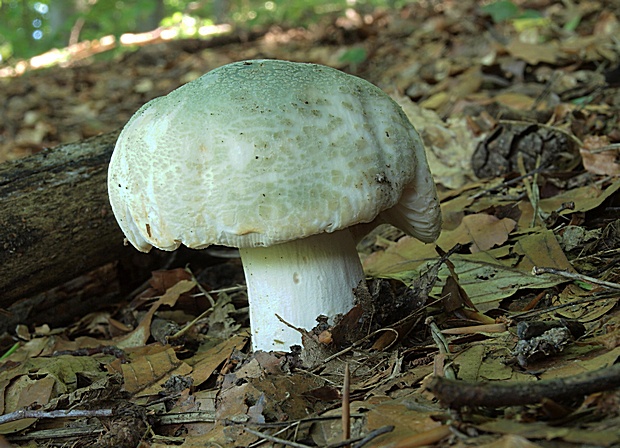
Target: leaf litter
[{"x": 521, "y": 126}]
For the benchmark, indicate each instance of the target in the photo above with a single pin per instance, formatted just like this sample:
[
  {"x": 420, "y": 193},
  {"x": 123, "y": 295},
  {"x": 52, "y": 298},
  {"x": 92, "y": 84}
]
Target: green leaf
[
  {"x": 572, "y": 24},
  {"x": 355, "y": 55},
  {"x": 502, "y": 10}
]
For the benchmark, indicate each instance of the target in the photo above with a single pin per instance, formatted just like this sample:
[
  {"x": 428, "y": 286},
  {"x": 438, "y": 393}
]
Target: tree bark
[{"x": 55, "y": 219}]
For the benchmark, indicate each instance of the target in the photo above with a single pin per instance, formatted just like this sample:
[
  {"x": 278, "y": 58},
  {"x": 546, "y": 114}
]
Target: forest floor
[{"x": 504, "y": 333}]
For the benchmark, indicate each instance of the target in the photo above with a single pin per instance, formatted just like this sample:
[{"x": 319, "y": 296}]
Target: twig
[
  {"x": 291, "y": 425},
  {"x": 59, "y": 413},
  {"x": 276, "y": 439},
  {"x": 373, "y": 334},
  {"x": 529, "y": 314},
  {"x": 438, "y": 337},
  {"x": 475, "y": 329},
  {"x": 605, "y": 148},
  {"x": 357, "y": 343},
  {"x": 373, "y": 434},
  {"x": 294, "y": 422},
  {"x": 346, "y": 405},
  {"x": 362, "y": 440},
  {"x": 574, "y": 276},
  {"x": 442, "y": 344},
  {"x": 200, "y": 287},
  {"x": 189, "y": 325},
  {"x": 508, "y": 183},
  {"x": 533, "y": 193},
  {"x": 443, "y": 257},
  {"x": 225, "y": 290},
  {"x": 456, "y": 394}
]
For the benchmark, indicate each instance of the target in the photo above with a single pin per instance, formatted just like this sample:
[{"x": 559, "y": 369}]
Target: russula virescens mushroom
[{"x": 286, "y": 161}]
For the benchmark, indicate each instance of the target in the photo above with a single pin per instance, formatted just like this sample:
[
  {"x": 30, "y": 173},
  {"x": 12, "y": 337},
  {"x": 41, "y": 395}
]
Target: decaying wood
[
  {"x": 456, "y": 394},
  {"x": 55, "y": 219}
]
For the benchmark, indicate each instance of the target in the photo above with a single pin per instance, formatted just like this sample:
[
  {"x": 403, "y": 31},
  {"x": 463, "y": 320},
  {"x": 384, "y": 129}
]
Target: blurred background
[{"x": 31, "y": 27}]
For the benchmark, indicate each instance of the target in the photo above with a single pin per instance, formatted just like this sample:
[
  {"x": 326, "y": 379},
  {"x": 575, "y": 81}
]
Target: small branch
[
  {"x": 189, "y": 325},
  {"x": 508, "y": 183},
  {"x": 61, "y": 413},
  {"x": 444, "y": 348},
  {"x": 362, "y": 440},
  {"x": 532, "y": 190},
  {"x": 574, "y": 276},
  {"x": 200, "y": 287},
  {"x": 295, "y": 422},
  {"x": 456, "y": 394},
  {"x": 373, "y": 435},
  {"x": 531, "y": 313},
  {"x": 275, "y": 439},
  {"x": 346, "y": 405},
  {"x": 476, "y": 329}
]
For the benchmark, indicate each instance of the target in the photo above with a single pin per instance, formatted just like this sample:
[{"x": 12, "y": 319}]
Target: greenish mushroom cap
[{"x": 261, "y": 152}]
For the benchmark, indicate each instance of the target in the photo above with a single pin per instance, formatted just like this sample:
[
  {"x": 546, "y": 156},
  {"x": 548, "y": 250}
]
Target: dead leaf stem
[
  {"x": 59, "y": 413},
  {"x": 285, "y": 442},
  {"x": 455, "y": 394},
  {"x": 200, "y": 287},
  {"x": 536, "y": 270},
  {"x": 346, "y": 405},
  {"x": 443, "y": 346}
]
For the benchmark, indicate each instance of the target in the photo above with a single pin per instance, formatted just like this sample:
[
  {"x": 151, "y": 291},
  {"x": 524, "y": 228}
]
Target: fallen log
[
  {"x": 61, "y": 250},
  {"x": 55, "y": 219}
]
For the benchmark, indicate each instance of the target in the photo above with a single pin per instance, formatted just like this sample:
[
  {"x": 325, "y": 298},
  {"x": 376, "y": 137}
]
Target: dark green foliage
[{"x": 31, "y": 27}]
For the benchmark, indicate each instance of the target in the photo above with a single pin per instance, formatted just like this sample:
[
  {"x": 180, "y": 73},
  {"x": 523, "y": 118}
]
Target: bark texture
[{"x": 55, "y": 219}]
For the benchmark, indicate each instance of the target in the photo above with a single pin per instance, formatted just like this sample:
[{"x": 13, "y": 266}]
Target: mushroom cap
[{"x": 261, "y": 152}]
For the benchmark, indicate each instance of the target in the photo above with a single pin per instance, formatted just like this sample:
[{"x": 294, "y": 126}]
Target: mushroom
[{"x": 290, "y": 163}]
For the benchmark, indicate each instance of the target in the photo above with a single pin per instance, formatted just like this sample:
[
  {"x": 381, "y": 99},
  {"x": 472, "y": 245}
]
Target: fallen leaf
[
  {"x": 540, "y": 430},
  {"x": 585, "y": 198},
  {"x": 597, "y": 160},
  {"x": 150, "y": 367},
  {"x": 485, "y": 231},
  {"x": 408, "y": 416},
  {"x": 141, "y": 334},
  {"x": 449, "y": 144},
  {"x": 205, "y": 363},
  {"x": 583, "y": 312},
  {"x": 23, "y": 393},
  {"x": 534, "y": 53},
  {"x": 540, "y": 249},
  {"x": 511, "y": 441}
]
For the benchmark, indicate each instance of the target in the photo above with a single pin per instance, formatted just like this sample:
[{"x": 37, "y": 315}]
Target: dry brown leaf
[
  {"x": 449, "y": 145},
  {"x": 205, "y": 363},
  {"x": 411, "y": 416},
  {"x": 541, "y": 249},
  {"x": 480, "y": 230},
  {"x": 141, "y": 334},
  {"x": 597, "y": 160},
  {"x": 483, "y": 231},
  {"x": 540, "y": 430},
  {"x": 517, "y": 101},
  {"x": 584, "y": 312},
  {"x": 510, "y": 441},
  {"x": 534, "y": 53},
  {"x": 150, "y": 367}
]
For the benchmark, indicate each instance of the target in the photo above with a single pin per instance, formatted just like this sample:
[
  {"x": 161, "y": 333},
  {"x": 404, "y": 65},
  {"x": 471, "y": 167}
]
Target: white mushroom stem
[{"x": 299, "y": 281}]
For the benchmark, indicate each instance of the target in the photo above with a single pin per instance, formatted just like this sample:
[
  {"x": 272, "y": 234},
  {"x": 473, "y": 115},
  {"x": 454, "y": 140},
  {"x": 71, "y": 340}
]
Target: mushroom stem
[{"x": 299, "y": 280}]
